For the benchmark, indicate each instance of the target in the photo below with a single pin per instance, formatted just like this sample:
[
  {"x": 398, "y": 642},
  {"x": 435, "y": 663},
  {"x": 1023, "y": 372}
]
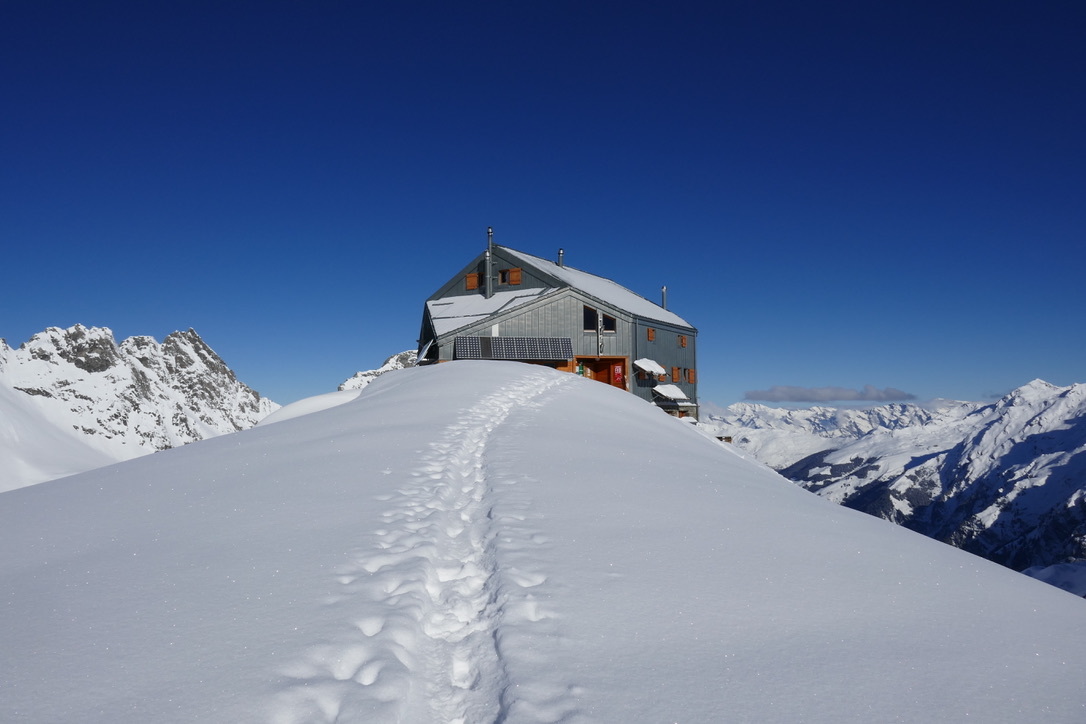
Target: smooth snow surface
[
  {"x": 310, "y": 405},
  {"x": 496, "y": 542}
]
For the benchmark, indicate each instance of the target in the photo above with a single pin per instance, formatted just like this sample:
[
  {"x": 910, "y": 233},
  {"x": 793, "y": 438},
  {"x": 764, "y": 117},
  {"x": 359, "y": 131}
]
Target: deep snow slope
[
  {"x": 496, "y": 542},
  {"x": 1005, "y": 480},
  {"x": 73, "y": 399}
]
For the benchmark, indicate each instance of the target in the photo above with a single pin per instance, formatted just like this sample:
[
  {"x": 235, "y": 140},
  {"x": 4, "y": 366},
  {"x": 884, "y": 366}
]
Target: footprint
[
  {"x": 371, "y": 625},
  {"x": 464, "y": 675},
  {"x": 368, "y": 674},
  {"x": 524, "y": 579}
]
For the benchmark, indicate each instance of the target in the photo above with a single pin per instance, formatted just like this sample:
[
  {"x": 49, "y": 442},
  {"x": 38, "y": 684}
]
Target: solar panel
[{"x": 513, "y": 348}]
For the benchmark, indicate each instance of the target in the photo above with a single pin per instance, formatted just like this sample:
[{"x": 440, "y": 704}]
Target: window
[
  {"x": 509, "y": 276},
  {"x": 471, "y": 281},
  {"x": 692, "y": 376},
  {"x": 595, "y": 322},
  {"x": 682, "y": 340},
  {"x": 651, "y": 333},
  {"x": 590, "y": 319},
  {"x": 674, "y": 374}
]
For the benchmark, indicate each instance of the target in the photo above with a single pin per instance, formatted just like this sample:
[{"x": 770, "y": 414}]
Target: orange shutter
[
  {"x": 514, "y": 276},
  {"x": 674, "y": 374},
  {"x": 691, "y": 376},
  {"x": 471, "y": 281},
  {"x": 682, "y": 340},
  {"x": 652, "y": 334}
]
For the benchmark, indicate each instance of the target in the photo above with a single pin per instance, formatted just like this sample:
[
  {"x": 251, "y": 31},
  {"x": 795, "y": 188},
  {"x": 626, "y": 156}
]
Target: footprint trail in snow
[{"x": 424, "y": 598}]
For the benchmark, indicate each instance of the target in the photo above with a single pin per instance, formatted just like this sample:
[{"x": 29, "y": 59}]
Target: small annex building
[{"x": 508, "y": 305}]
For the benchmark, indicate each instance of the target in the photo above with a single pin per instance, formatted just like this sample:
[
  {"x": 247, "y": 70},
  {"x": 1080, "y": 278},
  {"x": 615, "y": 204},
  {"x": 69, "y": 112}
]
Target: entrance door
[{"x": 609, "y": 370}]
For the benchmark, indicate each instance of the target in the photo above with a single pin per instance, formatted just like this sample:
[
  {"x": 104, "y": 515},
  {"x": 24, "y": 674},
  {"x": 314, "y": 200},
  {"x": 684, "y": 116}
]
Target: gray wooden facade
[{"x": 541, "y": 303}]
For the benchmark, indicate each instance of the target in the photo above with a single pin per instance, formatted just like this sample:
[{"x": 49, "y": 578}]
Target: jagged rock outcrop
[
  {"x": 399, "y": 361},
  {"x": 129, "y": 398}
]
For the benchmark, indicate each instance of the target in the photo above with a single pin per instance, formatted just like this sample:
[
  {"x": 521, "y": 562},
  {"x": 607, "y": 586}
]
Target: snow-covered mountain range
[
  {"x": 1006, "y": 480},
  {"x": 498, "y": 542},
  {"x": 74, "y": 399}
]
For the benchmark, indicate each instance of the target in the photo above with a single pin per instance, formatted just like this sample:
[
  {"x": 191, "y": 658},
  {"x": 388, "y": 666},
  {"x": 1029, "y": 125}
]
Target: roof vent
[
  {"x": 663, "y": 296},
  {"x": 561, "y": 257}
]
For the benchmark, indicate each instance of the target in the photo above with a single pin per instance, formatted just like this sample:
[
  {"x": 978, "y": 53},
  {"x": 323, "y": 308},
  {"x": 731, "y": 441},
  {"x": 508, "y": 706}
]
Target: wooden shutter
[
  {"x": 682, "y": 340},
  {"x": 471, "y": 281},
  {"x": 674, "y": 374},
  {"x": 651, "y": 334},
  {"x": 692, "y": 376},
  {"x": 514, "y": 276}
]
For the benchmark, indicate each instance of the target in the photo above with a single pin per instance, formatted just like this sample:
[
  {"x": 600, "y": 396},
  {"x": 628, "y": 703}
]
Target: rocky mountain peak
[
  {"x": 90, "y": 349},
  {"x": 138, "y": 393}
]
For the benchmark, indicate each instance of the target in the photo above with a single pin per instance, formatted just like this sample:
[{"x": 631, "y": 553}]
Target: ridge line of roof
[{"x": 544, "y": 263}]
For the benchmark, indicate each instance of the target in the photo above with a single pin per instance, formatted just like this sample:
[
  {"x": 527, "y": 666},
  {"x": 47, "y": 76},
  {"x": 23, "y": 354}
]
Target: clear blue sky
[{"x": 836, "y": 194}]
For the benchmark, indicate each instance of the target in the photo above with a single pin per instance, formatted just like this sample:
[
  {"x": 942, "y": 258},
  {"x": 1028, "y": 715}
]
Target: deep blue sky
[{"x": 836, "y": 194}]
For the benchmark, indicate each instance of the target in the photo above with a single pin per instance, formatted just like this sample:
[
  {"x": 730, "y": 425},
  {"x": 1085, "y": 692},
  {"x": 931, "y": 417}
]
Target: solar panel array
[{"x": 513, "y": 348}]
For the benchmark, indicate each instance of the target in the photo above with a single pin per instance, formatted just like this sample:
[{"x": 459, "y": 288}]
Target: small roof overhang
[
  {"x": 671, "y": 392},
  {"x": 651, "y": 366}
]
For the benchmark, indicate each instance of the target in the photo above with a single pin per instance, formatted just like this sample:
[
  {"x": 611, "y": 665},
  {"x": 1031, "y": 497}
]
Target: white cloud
[{"x": 788, "y": 393}]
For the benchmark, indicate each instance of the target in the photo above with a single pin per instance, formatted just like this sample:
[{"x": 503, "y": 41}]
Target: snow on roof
[
  {"x": 452, "y": 313},
  {"x": 651, "y": 366},
  {"x": 671, "y": 391},
  {"x": 603, "y": 289}
]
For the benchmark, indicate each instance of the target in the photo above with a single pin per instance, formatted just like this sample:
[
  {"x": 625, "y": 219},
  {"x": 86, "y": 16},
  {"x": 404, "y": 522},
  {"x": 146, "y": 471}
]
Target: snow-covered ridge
[
  {"x": 101, "y": 401},
  {"x": 493, "y": 541},
  {"x": 1005, "y": 480},
  {"x": 398, "y": 361}
]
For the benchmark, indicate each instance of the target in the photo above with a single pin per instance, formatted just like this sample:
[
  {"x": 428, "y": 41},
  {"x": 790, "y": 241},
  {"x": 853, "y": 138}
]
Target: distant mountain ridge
[
  {"x": 362, "y": 378},
  {"x": 120, "y": 400},
  {"x": 1006, "y": 480}
]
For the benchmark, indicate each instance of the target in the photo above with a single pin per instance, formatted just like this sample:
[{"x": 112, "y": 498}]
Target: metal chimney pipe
[
  {"x": 489, "y": 266},
  {"x": 561, "y": 257},
  {"x": 663, "y": 296}
]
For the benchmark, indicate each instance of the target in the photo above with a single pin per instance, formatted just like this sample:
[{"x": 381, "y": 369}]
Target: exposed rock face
[
  {"x": 139, "y": 393},
  {"x": 399, "y": 361},
  {"x": 1006, "y": 481}
]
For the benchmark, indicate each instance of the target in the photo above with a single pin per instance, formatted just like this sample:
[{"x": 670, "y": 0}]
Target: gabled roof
[
  {"x": 452, "y": 313},
  {"x": 603, "y": 289}
]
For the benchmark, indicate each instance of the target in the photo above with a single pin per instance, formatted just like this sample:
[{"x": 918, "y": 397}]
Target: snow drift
[{"x": 488, "y": 541}]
